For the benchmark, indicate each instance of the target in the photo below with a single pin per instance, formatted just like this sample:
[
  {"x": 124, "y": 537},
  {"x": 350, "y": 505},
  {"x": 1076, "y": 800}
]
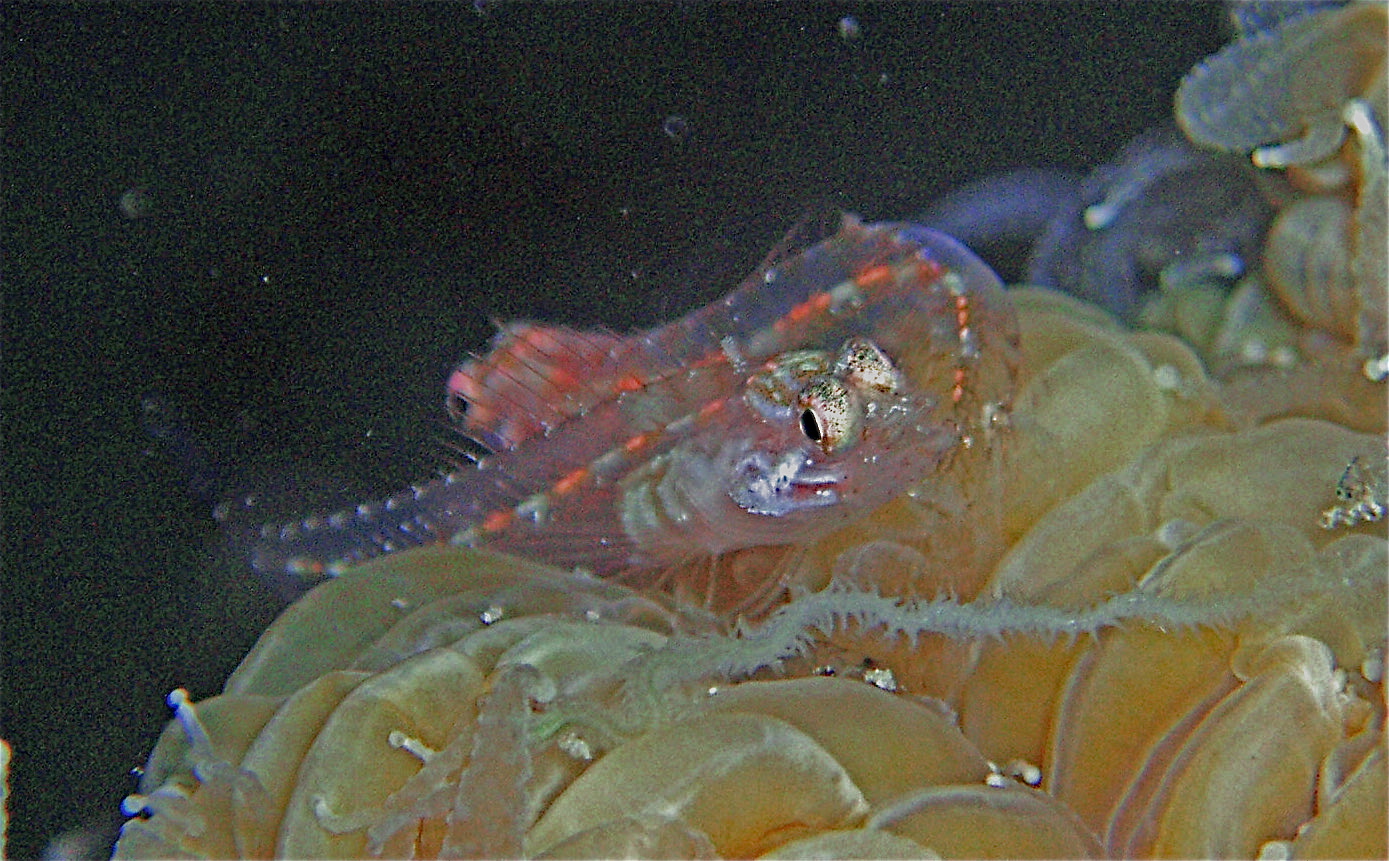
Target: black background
[{"x": 341, "y": 198}]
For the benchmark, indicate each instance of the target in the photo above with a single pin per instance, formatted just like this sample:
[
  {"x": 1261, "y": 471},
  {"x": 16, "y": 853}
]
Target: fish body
[{"x": 817, "y": 390}]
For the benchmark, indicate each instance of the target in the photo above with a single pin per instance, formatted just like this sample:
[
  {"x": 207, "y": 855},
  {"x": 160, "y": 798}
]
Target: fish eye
[
  {"x": 830, "y": 414},
  {"x": 865, "y": 365},
  {"x": 774, "y": 389}
]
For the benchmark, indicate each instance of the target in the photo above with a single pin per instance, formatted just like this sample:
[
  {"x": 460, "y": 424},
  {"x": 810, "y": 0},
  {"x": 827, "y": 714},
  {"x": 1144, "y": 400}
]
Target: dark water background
[{"x": 243, "y": 244}]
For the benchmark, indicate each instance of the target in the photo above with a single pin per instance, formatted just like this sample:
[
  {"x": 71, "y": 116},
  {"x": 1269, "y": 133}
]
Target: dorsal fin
[
  {"x": 533, "y": 379},
  {"x": 536, "y": 377}
]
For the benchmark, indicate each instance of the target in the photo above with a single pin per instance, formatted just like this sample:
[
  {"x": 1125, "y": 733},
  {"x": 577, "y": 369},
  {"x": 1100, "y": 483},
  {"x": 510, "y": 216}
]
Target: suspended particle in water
[
  {"x": 136, "y": 202},
  {"x": 849, "y": 28},
  {"x": 675, "y": 127}
]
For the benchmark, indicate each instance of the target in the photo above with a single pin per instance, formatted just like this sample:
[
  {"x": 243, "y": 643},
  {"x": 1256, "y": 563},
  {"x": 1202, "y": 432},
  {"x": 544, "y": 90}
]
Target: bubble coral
[
  {"x": 1145, "y": 616},
  {"x": 1148, "y": 645},
  {"x": 1307, "y": 98},
  {"x": 1279, "y": 90},
  {"x": 1160, "y": 205}
]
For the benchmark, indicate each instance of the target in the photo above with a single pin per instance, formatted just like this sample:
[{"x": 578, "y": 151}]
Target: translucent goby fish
[{"x": 820, "y": 388}]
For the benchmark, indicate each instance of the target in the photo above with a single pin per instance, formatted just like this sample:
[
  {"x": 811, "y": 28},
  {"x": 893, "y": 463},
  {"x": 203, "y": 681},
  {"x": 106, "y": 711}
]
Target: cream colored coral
[{"x": 1161, "y": 625}]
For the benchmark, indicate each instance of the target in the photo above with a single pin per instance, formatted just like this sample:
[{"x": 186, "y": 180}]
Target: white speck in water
[
  {"x": 136, "y": 202},
  {"x": 675, "y": 127}
]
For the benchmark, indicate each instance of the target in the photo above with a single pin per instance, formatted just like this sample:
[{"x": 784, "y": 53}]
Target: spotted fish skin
[{"x": 816, "y": 391}]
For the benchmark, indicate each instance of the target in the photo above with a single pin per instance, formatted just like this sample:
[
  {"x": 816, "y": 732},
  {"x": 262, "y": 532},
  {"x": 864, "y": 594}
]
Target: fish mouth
[{"x": 778, "y": 486}]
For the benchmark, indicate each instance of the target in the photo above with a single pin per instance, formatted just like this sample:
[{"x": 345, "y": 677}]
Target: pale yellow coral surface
[{"x": 1218, "y": 686}]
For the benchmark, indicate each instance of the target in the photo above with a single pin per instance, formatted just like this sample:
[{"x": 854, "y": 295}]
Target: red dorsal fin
[{"x": 534, "y": 378}]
